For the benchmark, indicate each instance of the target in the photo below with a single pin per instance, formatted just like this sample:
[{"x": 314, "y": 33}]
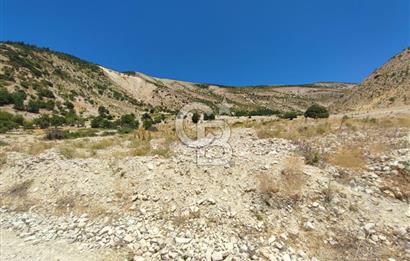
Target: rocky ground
[{"x": 267, "y": 203}]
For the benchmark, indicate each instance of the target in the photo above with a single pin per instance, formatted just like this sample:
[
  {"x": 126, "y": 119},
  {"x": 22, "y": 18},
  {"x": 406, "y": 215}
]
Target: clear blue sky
[{"x": 240, "y": 42}]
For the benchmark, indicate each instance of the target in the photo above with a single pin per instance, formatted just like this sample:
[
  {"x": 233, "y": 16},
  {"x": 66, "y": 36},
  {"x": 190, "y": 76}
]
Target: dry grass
[
  {"x": 348, "y": 157},
  {"x": 285, "y": 189},
  {"x": 68, "y": 151},
  {"x": 139, "y": 148},
  {"x": 378, "y": 149},
  {"x": 17, "y": 196},
  {"x": 103, "y": 144},
  {"x": 267, "y": 184},
  {"x": 398, "y": 184},
  {"x": 3, "y": 158},
  {"x": 20, "y": 189},
  {"x": 294, "y": 130},
  {"x": 140, "y": 144},
  {"x": 292, "y": 177},
  {"x": 311, "y": 155},
  {"x": 38, "y": 148},
  {"x": 65, "y": 203}
]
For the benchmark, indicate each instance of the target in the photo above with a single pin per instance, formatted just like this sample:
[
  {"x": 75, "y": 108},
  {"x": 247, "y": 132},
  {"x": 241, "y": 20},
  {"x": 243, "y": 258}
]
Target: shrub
[
  {"x": 5, "y": 97},
  {"x": 195, "y": 117},
  {"x": 158, "y": 118},
  {"x": 18, "y": 100},
  {"x": 147, "y": 123},
  {"x": 285, "y": 189},
  {"x": 312, "y": 157},
  {"x": 128, "y": 121},
  {"x": 43, "y": 92},
  {"x": 9, "y": 121},
  {"x": 42, "y": 122},
  {"x": 290, "y": 115},
  {"x": 69, "y": 105},
  {"x": 55, "y": 134},
  {"x": 73, "y": 119},
  {"x": 102, "y": 111},
  {"x": 56, "y": 120},
  {"x": 33, "y": 106},
  {"x": 209, "y": 116},
  {"x": 316, "y": 111}
]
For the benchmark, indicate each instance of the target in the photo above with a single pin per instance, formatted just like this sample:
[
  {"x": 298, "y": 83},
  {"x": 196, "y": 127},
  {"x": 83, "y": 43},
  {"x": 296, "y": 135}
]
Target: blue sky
[{"x": 237, "y": 42}]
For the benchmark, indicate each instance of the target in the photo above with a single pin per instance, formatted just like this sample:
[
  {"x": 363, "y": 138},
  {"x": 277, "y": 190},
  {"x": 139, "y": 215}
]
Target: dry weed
[
  {"x": 285, "y": 189},
  {"x": 3, "y": 159},
  {"x": 38, "y": 148},
  {"x": 348, "y": 157},
  {"x": 378, "y": 149},
  {"x": 17, "y": 196}
]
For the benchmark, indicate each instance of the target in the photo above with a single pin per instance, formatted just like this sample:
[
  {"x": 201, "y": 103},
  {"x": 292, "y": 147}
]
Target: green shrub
[
  {"x": 43, "y": 92},
  {"x": 33, "y": 106},
  {"x": 42, "y": 122},
  {"x": 9, "y": 121},
  {"x": 147, "y": 123},
  {"x": 69, "y": 105},
  {"x": 57, "y": 120},
  {"x": 128, "y": 121},
  {"x": 18, "y": 100},
  {"x": 102, "y": 111},
  {"x": 257, "y": 112},
  {"x": 209, "y": 116},
  {"x": 195, "y": 117},
  {"x": 125, "y": 130},
  {"x": 290, "y": 115},
  {"x": 5, "y": 97},
  {"x": 158, "y": 118},
  {"x": 316, "y": 111},
  {"x": 55, "y": 134}
]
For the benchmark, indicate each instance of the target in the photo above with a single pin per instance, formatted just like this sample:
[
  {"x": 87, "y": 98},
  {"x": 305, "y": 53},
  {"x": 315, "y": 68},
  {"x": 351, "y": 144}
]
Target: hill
[
  {"x": 388, "y": 86},
  {"x": 47, "y": 81}
]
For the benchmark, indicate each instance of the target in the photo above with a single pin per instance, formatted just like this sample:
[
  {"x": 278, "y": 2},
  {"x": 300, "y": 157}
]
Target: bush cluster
[
  {"x": 317, "y": 111},
  {"x": 290, "y": 115},
  {"x": 106, "y": 121},
  {"x": 9, "y": 121},
  {"x": 17, "y": 99},
  {"x": 58, "y": 134},
  {"x": 69, "y": 119},
  {"x": 257, "y": 112}
]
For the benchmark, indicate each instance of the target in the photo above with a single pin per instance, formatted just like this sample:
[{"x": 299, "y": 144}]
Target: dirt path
[{"x": 14, "y": 248}]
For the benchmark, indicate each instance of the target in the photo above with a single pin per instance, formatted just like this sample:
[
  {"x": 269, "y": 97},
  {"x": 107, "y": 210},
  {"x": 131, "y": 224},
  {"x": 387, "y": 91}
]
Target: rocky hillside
[
  {"x": 388, "y": 86},
  {"x": 46, "y": 81}
]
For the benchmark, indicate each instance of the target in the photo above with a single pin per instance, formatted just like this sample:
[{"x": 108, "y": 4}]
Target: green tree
[
  {"x": 316, "y": 111},
  {"x": 128, "y": 121}
]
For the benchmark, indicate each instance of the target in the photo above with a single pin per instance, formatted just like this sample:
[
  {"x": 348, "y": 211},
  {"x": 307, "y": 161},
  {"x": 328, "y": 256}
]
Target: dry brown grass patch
[
  {"x": 295, "y": 129},
  {"x": 292, "y": 176},
  {"x": 38, "y": 148},
  {"x": 17, "y": 196},
  {"x": 348, "y": 157},
  {"x": 378, "y": 149},
  {"x": 3, "y": 159},
  {"x": 285, "y": 189},
  {"x": 20, "y": 189}
]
